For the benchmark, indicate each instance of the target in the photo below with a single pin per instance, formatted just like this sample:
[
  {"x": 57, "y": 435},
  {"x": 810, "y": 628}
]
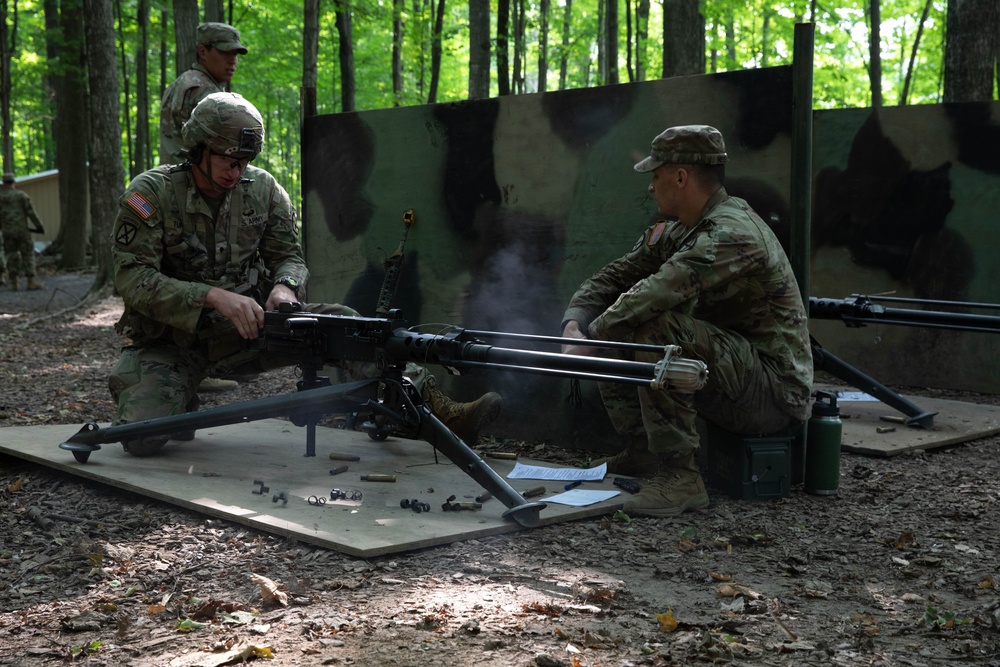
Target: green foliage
[{"x": 271, "y": 74}]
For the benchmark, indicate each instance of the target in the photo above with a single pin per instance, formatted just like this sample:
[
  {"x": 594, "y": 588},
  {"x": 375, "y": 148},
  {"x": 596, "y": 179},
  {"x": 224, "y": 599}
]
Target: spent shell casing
[
  {"x": 536, "y": 491},
  {"x": 338, "y": 469},
  {"x": 508, "y": 456},
  {"x": 483, "y": 497},
  {"x": 336, "y": 456},
  {"x": 378, "y": 478}
]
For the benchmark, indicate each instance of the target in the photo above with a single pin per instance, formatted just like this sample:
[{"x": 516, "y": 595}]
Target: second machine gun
[{"x": 313, "y": 341}]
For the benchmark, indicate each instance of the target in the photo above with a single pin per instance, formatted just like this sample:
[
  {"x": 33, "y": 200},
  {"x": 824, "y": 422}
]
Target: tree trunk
[
  {"x": 611, "y": 42},
  {"x": 543, "y": 46},
  {"x": 517, "y": 80},
  {"x": 164, "y": 21},
  {"x": 683, "y": 38},
  {"x": 346, "y": 57},
  {"x": 971, "y": 50},
  {"x": 436, "y": 53},
  {"x": 185, "y": 34},
  {"x": 913, "y": 53},
  {"x": 130, "y": 156},
  {"x": 107, "y": 178},
  {"x": 564, "y": 56},
  {"x": 641, "y": 36},
  {"x": 214, "y": 11},
  {"x": 875, "y": 52},
  {"x": 479, "y": 49},
  {"x": 310, "y": 57},
  {"x": 143, "y": 147},
  {"x": 8, "y": 35},
  {"x": 629, "y": 51},
  {"x": 397, "y": 52},
  {"x": 503, "y": 47},
  {"x": 71, "y": 140}
]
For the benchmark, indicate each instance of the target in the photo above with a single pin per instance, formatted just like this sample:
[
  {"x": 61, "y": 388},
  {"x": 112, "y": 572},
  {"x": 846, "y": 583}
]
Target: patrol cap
[
  {"x": 8, "y": 177},
  {"x": 222, "y": 36},
  {"x": 685, "y": 144}
]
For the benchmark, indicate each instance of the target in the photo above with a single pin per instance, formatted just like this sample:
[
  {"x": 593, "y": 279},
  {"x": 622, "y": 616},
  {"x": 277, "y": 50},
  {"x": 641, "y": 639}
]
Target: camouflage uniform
[
  {"x": 192, "y": 86},
  {"x": 179, "y": 99},
  {"x": 19, "y": 250},
  {"x": 724, "y": 291}
]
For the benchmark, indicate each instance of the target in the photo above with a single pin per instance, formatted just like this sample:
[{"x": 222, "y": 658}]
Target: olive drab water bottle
[{"x": 823, "y": 439}]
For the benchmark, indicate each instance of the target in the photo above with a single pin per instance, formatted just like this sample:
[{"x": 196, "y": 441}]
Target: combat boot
[
  {"x": 143, "y": 447},
  {"x": 187, "y": 435},
  {"x": 465, "y": 420},
  {"x": 34, "y": 284},
  {"x": 635, "y": 460},
  {"x": 676, "y": 488}
]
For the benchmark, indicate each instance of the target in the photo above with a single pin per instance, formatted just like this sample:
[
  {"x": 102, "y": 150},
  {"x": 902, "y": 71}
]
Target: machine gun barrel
[
  {"x": 859, "y": 310},
  {"x": 457, "y": 353}
]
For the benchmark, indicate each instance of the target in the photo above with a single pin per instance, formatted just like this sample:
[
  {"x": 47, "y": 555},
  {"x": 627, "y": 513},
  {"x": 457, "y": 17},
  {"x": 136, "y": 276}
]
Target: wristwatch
[{"x": 290, "y": 283}]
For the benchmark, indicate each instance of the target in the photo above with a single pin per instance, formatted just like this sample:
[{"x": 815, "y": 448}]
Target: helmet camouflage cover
[{"x": 228, "y": 124}]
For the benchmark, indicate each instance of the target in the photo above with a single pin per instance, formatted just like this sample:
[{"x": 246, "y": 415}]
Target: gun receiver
[{"x": 316, "y": 340}]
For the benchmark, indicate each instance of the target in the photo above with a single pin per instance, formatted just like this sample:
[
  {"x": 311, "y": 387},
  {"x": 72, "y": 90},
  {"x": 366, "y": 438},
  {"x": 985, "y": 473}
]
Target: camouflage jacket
[
  {"x": 179, "y": 100},
  {"x": 15, "y": 211},
  {"x": 728, "y": 270},
  {"x": 168, "y": 251}
]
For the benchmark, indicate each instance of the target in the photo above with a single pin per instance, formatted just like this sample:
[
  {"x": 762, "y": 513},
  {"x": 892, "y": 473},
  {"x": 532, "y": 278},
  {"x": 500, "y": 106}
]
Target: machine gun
[
  {"x": 859, "y": 310},
  {"x": 393, "y": 404}
]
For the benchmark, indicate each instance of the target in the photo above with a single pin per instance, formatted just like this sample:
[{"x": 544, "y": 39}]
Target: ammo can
[{"x": 823, "y": 439}]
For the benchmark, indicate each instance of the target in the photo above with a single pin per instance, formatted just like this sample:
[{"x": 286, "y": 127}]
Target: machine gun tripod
[{"x": 314, "y": 340}]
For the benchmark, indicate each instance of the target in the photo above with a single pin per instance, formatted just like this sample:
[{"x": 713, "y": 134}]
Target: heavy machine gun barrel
[{"x": 858, "y": 310}]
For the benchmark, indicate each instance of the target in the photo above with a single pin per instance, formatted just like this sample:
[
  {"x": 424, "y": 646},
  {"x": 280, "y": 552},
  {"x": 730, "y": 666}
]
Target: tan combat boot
[
  {"x": 33, "y": 283},
  {"x": 465, "y": 420},
  {"x": 678, "y": 487},
  {"x": 635, "y": 460}
]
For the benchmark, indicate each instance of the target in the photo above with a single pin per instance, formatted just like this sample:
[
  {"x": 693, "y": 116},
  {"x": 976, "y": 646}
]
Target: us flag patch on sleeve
[{"x": 140, "y": 205}]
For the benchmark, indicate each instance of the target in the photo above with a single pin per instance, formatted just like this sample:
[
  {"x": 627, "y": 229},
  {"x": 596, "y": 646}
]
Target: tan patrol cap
[
  {"x": 685, "y": 144},
  {"x": 8, "y": 177},
  {"x": 222, "y": 36}
]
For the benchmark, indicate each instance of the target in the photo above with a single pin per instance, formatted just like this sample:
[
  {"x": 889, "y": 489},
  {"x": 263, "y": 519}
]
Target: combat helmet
[{"x": 228, "y": 124}]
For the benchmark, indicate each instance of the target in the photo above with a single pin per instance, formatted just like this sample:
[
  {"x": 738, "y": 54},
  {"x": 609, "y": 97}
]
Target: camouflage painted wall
[
  {"x": 906, "y": 200},
  {"x": 518, "y": 200}
]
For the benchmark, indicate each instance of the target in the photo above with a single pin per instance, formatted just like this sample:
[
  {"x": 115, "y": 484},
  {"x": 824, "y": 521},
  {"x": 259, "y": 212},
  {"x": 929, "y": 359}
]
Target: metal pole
[{"x": 801, "y": 176}]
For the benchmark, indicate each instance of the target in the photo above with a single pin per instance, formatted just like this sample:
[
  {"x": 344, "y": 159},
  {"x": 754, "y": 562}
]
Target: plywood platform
[
  {"x": 215, "y": 473},
  {"x": 866, "y": 432}
]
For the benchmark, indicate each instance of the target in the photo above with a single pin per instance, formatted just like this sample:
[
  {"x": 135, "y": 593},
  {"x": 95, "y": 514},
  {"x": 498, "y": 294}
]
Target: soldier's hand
[
  {"x": 572, "y": 330},
  {"x": 245, "y": 313},
  {"x": 280, "y": 294}
]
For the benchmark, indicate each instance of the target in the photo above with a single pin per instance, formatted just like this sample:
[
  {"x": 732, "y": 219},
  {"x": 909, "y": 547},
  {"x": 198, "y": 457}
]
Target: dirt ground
[{"x": 899, "y": 568}]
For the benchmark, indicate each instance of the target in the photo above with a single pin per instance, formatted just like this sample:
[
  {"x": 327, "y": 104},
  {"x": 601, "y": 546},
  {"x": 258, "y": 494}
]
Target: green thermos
[{"x": 823, "y": 439}]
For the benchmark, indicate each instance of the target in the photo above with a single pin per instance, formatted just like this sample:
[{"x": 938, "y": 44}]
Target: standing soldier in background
[
  {"x": 218, "y": 47},
  {"x": 15, "y": 211}
]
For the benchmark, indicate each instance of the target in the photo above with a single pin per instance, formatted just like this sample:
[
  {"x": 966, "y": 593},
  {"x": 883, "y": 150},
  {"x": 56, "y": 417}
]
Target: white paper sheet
[
  {"x": 580, "y": 497},
  {"x": 522, "y": 471}
]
